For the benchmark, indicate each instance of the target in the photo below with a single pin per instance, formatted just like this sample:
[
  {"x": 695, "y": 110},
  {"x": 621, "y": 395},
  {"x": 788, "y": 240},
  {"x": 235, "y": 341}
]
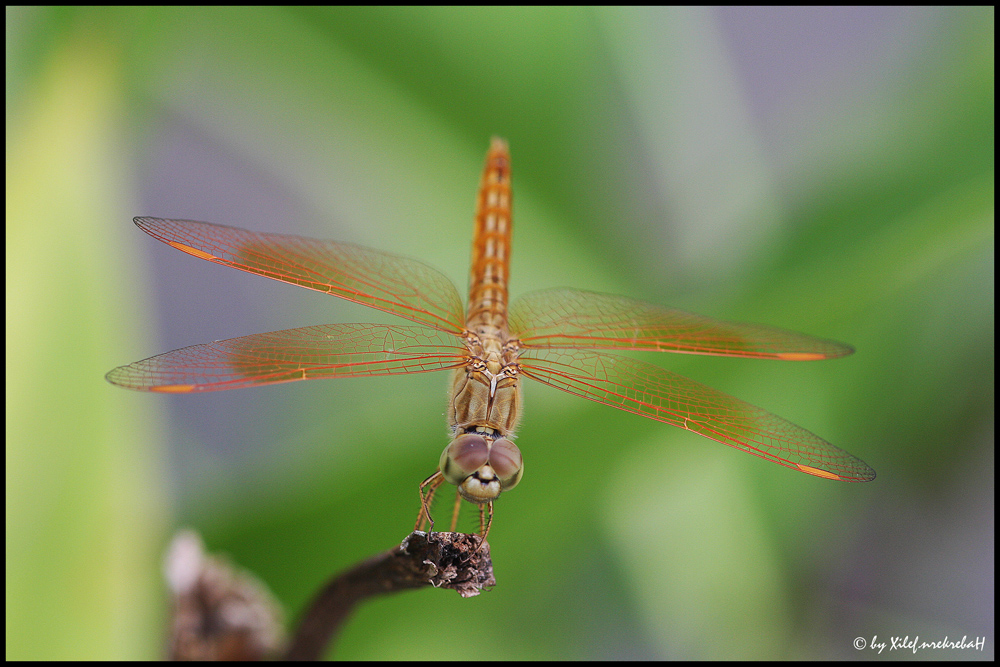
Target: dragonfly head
[{"x": 481, "y": 467}]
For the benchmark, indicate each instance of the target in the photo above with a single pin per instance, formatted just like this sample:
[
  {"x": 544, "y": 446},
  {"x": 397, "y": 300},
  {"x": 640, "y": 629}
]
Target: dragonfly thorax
[{"x": 486, "y": 391}]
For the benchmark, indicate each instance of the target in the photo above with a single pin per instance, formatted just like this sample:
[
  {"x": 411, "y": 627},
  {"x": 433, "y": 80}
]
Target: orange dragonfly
[{"x": 547, "y": 336}]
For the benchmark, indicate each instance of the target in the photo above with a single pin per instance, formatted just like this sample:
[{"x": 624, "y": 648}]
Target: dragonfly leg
[
  {"x": 454, "y": 513},
  {"x": 431, "y": 484},
  {"x": 485, "y": 521}
]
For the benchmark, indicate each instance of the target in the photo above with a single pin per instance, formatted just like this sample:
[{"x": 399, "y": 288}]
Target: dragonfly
[{"x": 549, "y": 336}]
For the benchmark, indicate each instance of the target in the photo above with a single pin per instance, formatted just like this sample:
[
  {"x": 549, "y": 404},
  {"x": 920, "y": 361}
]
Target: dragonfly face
[
  {"x": 481, "y": 465},
  {"x": 549, "y": 337}
]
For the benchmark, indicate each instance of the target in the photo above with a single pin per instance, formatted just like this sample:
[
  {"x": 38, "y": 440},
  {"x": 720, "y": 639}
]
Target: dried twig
[
  {"x": 442, "y": 560},
  {"x": 223, "y": 613}
]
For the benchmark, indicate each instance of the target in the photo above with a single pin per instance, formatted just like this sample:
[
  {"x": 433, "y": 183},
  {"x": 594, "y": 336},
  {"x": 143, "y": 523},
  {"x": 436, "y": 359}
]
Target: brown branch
[
  {"x": 221, "y": 612},
  {"x": 442, "y": 560}
]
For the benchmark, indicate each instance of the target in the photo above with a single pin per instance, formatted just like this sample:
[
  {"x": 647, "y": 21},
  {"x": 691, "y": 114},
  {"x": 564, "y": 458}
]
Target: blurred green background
[{"x": 825, "y": 170}]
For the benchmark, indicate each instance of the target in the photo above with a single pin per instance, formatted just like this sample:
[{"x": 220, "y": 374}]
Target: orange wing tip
[
  {"x": 201, "y": 254},
  {"x": 174, "y": 388},
  {"x": 800, "y": 356},
  {"x": 817, "y": 472}
]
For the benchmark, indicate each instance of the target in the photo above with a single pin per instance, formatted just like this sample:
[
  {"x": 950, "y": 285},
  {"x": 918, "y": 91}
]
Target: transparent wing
[
  {"x": 331, "y": 350},
  {"x": 650, "y": 391},
  {"x": 569, "y": 318},
  {"x": 395, "y": 284}
]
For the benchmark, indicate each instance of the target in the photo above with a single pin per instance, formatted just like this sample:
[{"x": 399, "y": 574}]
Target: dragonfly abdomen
[{"x": 490, "y": 266}]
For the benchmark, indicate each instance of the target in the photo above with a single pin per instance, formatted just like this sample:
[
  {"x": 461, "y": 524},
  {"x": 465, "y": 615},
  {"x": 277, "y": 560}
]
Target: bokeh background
[{"x": 825, "y": 170}]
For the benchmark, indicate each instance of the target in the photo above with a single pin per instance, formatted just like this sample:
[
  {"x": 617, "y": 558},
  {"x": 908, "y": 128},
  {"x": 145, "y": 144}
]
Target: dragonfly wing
[
  {"x": 650, "y": 391},
  {"x": 331, "y": 350},
  {"x": 398, "y": 285},
  {"x": 569, "y": 318}
]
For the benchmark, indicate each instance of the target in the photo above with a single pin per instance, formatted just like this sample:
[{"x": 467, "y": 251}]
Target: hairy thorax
[{"x": 486, "y": 393}]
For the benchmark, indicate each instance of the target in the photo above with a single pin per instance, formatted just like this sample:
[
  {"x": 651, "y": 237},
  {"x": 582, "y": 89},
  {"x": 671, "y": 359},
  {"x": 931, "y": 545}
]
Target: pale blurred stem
[{"x": 448, "y": 560}]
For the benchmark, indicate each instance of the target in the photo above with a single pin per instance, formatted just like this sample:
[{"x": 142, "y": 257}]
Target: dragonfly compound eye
[
  {"x": 465, "y": 455},
  {"x": 506, "y": 460}
]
